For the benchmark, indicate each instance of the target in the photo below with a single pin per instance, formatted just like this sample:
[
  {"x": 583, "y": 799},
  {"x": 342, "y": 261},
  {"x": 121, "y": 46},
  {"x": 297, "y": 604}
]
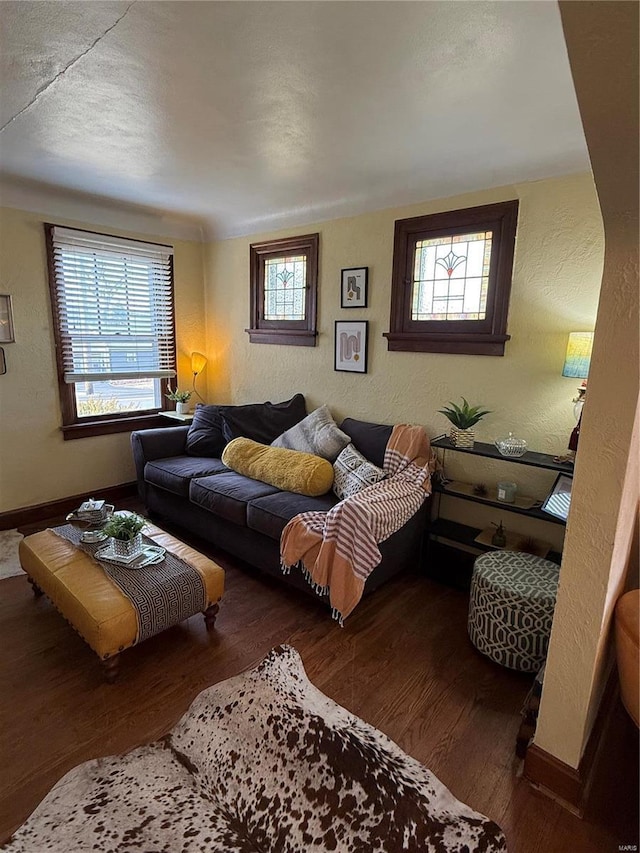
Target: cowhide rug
[
  {"x": 9, "y": 562},
  {"x": 260, "y": 762}
]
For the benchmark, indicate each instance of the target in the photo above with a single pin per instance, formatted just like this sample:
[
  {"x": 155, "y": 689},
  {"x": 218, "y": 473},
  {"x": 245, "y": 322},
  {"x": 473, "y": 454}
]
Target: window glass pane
[
  {"x": 451, "y": 277},
  {"x": 284, "y": 288},
  {"x": 117, "y": 396}
]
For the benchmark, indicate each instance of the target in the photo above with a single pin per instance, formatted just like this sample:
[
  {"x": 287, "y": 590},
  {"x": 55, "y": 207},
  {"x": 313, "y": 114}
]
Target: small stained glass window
[
  {"x": 284, "y": 288},
  {"x": 451, "y": 277}
]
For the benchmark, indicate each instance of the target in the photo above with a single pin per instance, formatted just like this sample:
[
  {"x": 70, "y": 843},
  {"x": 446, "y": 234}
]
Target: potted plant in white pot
[
  {"x": 125, "y": 532},
  {"x": 181, "y": 399},
  {"x": 463, "y": 418}
]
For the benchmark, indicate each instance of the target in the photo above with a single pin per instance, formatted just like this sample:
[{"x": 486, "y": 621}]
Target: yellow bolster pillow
[{"x": 289, "y": 470}]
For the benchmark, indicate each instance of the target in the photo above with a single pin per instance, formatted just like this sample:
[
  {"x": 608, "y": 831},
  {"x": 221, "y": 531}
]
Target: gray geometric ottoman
[{"x": 511, "y": 605}]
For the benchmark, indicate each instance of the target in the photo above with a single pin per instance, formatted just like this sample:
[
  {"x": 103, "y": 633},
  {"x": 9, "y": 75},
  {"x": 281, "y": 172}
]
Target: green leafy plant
[
  {"x": 465, "y": 416},
  {"x": 124, "y": 527},
  {"x": 178, "y": 396}
]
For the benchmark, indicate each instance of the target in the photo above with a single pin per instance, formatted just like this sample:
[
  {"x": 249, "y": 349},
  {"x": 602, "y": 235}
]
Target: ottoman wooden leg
[
  {"x": 37, "y": 592},
  {"x": 210, "y": 616},
  {"x": 110, "y": 668}
]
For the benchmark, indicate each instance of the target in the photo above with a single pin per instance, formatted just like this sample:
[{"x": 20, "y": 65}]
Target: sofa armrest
[{"x": 160, "y": 443}]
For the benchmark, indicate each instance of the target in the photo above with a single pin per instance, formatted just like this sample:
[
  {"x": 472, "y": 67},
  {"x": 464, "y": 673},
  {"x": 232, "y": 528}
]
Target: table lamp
[
  {"x": 576, "y": 366},
  {"x": 198, "y": 363}
]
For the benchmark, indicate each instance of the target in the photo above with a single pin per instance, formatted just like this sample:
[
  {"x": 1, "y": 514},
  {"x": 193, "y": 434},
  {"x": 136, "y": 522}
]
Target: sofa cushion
[
  {"x": 270, "y": 514},
  {"x": 228, "y": 494},
  {"x": 352, "y": 473},
  {"x": 370, "y": 439},
  {"x": 175, "y": 473},
  {"x": 318, "y": 433},
  {"x": 262, "y": 421},
  {"x": 205, "y": 436},
  {"x": 288, "y": 470}
]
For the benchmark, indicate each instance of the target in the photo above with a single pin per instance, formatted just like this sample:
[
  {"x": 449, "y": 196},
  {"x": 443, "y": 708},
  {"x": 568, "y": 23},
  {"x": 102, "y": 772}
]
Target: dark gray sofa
[{"x": 245, "y": 517}]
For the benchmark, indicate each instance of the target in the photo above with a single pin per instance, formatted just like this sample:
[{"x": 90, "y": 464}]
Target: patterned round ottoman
[{"x": 513, "y": 596}]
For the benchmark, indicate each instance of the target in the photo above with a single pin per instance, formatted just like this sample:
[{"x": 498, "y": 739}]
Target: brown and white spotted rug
[{"x": 261, "y": 763}]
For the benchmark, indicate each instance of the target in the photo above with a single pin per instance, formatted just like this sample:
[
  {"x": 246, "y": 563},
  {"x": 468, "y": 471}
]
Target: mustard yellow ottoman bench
[{"x": 90, "y": 594}]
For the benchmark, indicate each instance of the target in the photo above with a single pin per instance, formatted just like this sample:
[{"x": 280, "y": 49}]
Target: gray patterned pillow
[
  {"x": 352, "y": 473},
  {"x": 318, "y": 433}
]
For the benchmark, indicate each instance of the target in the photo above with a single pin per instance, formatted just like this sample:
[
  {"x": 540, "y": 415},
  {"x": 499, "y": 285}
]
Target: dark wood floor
[{"x": 403, "y": 663}]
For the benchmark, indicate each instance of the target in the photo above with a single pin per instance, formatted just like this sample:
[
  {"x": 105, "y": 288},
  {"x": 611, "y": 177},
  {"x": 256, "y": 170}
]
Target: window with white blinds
[
  {"x": 114, "y": 306},
  {"x": 113, "y": 313}
]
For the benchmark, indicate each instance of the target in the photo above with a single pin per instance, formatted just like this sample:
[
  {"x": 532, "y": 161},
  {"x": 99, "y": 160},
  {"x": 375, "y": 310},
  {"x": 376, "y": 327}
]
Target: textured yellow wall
[
  {"x": 36, "y": 465},
  {"x": 602, "y": 43},
  {"x": 558, "y": 268}
]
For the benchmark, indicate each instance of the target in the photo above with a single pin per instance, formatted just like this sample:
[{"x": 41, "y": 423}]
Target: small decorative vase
[
  {"x": 182, "y": 408},
  {"x": 129, "y": 548},
  {"x": 464, "y": 438}
]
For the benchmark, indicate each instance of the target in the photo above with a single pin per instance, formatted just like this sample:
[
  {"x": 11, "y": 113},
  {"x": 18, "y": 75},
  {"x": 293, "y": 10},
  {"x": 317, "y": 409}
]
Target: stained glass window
[
  {"x": 451, "y": 277},
  {"x": 284, "y": 288}
]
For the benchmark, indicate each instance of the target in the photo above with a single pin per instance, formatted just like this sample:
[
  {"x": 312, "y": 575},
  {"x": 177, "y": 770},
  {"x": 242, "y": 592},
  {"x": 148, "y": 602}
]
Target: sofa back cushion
[
  {"x": 370, "y": 439},
  {"x": 262, "y": 422},
  {"x": 214, "y": 426},
  {"x": 318, "y": 434},
  {"x": 205, "y": 436}
]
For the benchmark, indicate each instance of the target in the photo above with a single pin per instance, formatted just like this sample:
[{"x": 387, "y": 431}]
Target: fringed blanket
[{"x": 338, "y": 550}]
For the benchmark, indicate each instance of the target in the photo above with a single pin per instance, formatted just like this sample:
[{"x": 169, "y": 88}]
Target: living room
[{"x": 566, "y": 277}]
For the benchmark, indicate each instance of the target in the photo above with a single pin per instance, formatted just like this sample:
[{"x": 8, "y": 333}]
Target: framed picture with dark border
[
  {"x": 353, "y": 288},
  {"x": 351, "y": 346},
  {"x": 6, "y": 320},
  {"x": 558, "y": 501}
]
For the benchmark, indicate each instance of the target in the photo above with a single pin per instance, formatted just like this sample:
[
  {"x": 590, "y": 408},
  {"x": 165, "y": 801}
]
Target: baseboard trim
[
  {"x": 567, "y": 785},
  {"x": 40, "y": 512}
]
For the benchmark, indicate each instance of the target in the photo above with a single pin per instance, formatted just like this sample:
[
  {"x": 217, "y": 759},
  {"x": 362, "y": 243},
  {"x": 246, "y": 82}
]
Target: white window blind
[{"x": 114, "y": 299}]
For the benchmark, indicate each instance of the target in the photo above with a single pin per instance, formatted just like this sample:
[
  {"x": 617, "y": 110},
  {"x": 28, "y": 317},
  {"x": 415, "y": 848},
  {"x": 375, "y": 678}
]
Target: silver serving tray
[{"x": 149, "y": 555}]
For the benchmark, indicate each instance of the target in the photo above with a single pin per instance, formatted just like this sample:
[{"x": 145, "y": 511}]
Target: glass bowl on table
[{"x": 511, "y": 446}]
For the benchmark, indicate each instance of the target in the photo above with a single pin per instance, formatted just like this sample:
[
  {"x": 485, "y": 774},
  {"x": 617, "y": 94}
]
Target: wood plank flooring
[{"x": 403, "y": 662}]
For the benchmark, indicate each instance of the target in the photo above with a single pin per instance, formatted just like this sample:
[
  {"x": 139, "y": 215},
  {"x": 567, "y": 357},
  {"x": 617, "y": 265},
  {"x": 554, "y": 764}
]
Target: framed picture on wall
[
  {"x": 353, "y": 290},
  {"x": 351, "y": 346},
  {"x": 558, "y": 501},
  {"x": 6, "y": 320}
]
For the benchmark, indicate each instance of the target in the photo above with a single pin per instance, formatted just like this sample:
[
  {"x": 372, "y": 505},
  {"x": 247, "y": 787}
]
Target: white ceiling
[{"x": 257, "y": 115}]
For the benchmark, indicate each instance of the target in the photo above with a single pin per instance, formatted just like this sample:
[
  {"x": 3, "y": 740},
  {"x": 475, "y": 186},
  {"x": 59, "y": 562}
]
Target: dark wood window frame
[
  {"x": 470, "y": 337},
  {"x": 74, "y": 427},
  {"x": 301, "y": 333}
]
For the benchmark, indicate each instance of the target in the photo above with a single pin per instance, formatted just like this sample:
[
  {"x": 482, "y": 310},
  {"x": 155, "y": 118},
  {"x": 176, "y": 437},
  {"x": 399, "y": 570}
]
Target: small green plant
[
  {"x": 465, "y": 416},
  {"x": 178, "y": 396},
  {"x": 124, "y": 527}
]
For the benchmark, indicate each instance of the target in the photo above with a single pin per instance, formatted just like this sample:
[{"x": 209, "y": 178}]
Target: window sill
[
  {"x": 452, "y": 344},
  {"x": 286, "y": 337},
  {"x": 107, "y": 427}
]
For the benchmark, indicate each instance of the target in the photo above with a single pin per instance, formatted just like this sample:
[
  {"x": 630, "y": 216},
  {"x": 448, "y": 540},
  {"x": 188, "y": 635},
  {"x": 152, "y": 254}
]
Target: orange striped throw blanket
[{"x": 337, "y": 550}]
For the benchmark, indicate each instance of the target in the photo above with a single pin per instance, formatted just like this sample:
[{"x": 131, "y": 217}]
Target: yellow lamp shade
[
  {"x": 198, "y": 362},
  {"x": 578, "y": 357}
]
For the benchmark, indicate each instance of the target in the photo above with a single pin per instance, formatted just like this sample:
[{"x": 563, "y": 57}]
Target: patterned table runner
[{"x": 162, "y": 594}]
